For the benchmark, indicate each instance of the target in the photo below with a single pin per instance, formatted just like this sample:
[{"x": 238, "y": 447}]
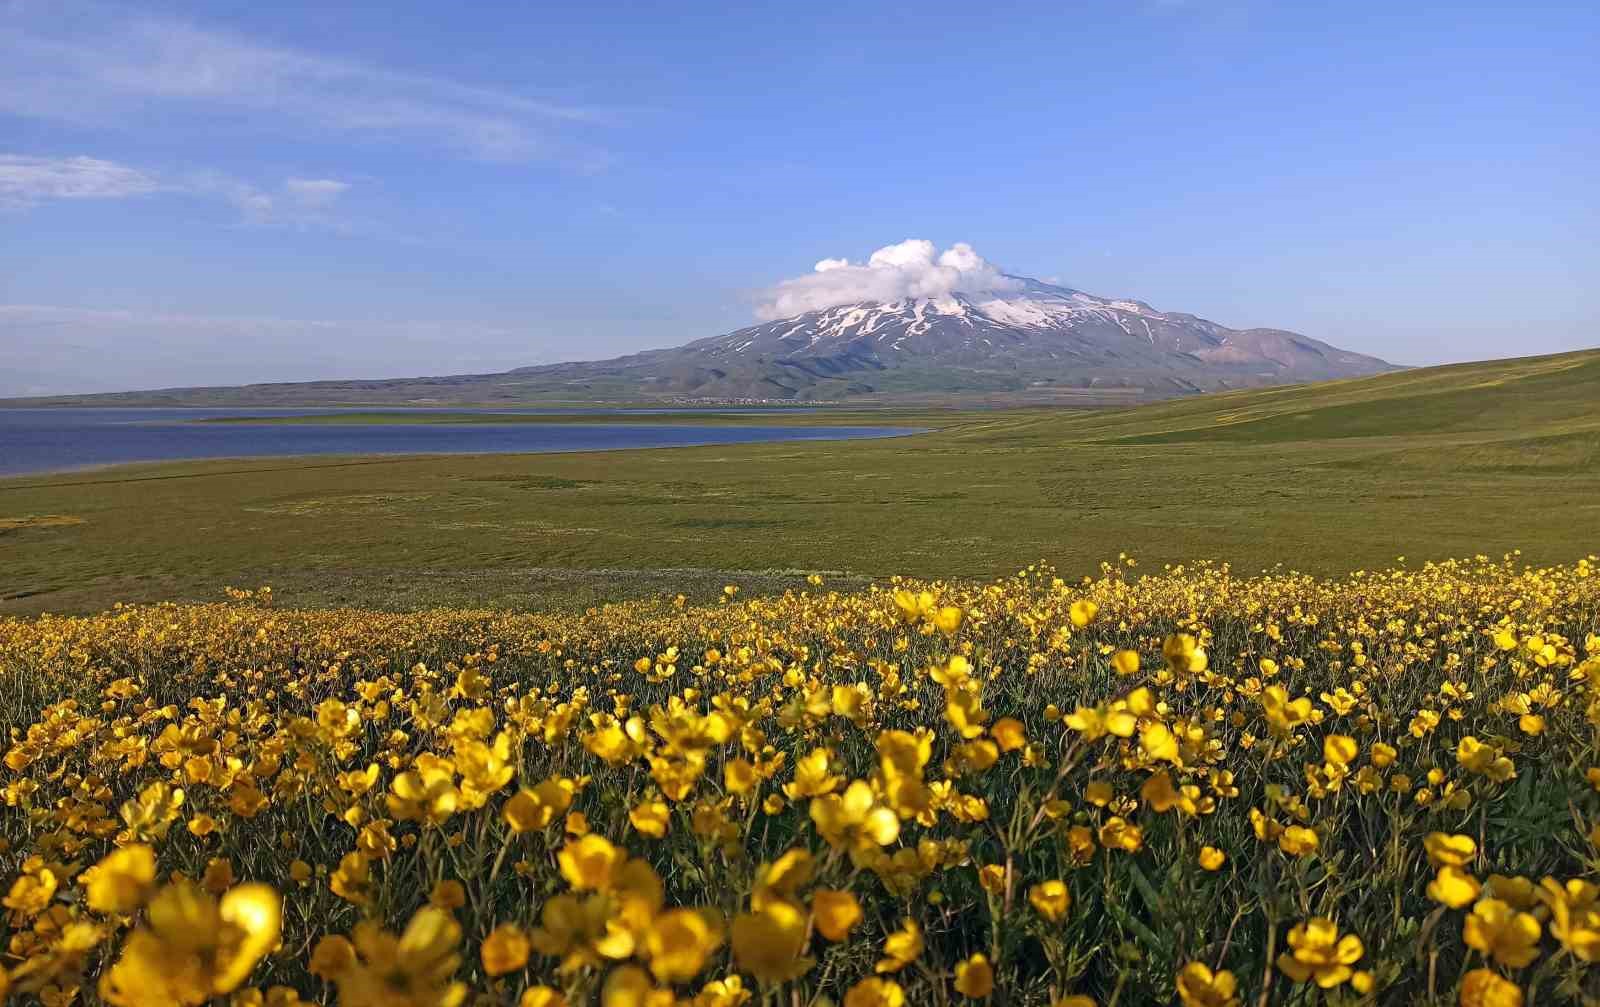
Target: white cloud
[
  {"x": 315, "y": 191},
  {"x": 914, "y": 268},
  {"x": 93, "y": 64},
  {"x": 25, "y": 181}
]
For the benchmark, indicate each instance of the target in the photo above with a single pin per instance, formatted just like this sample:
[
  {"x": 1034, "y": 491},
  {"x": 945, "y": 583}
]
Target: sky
[{"x": 228, "y": 192}]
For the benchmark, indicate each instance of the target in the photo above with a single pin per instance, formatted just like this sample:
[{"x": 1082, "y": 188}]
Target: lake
[{"x": 54, "y": 440}]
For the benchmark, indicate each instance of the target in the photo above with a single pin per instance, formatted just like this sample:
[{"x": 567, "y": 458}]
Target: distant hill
[{"x": 1034, "y": 341}]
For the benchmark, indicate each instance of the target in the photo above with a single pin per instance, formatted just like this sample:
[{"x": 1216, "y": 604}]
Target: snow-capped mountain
[
  {"x": 1032, "y": 336},
  {"x": 1021, "y": 339}
]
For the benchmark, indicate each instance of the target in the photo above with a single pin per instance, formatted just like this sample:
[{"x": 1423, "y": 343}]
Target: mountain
[{"x": 1031, "y": 340}]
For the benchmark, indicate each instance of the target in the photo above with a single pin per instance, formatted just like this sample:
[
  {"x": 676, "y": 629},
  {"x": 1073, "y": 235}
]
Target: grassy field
[{"x": 1325, "y": 478}]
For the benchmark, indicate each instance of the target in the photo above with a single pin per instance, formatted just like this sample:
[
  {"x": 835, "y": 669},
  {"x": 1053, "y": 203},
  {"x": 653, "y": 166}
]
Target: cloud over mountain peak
[{"x": 911, "y": 269}]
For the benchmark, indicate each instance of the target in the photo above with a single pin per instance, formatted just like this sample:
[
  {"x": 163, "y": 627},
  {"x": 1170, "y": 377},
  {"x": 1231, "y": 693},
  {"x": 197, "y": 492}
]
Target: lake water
[{"x": 52, "y": 440}]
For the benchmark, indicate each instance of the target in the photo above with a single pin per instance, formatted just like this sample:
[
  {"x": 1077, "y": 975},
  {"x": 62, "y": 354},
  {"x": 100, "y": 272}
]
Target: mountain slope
[
  {"x": 1034, "y": 340},
  {"x": 1038, "y": 338}
]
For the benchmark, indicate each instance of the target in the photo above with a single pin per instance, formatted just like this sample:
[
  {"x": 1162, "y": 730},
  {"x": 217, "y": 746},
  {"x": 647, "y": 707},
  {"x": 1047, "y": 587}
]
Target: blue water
[{"x": 53, "y": 440}]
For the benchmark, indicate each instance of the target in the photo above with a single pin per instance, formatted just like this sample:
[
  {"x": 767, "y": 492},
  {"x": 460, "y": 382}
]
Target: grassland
[{"x": 1324, "y": 478}]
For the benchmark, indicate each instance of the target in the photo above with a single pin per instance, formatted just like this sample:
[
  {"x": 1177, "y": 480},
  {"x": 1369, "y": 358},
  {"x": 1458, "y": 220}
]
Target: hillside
[
  {"x": 1484, "y": 457},
  {"x": 1027, "y": 341}
]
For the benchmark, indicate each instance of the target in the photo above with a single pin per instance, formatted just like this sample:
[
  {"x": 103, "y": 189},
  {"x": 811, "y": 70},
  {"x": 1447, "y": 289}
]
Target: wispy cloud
[
  {"x": 25, "y": 181},
  {"x": 100, "y": 65},
  {"x": 307, "y": 203},
  {"x": 315, "y": 191}
]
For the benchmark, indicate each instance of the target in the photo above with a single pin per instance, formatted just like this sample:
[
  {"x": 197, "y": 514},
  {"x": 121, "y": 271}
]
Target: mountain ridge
[{"x": 1029, "y": 339}]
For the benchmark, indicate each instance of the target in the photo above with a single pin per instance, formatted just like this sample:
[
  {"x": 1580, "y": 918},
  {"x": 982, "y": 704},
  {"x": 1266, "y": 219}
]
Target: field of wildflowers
[{"x": 1185, "y": 787}]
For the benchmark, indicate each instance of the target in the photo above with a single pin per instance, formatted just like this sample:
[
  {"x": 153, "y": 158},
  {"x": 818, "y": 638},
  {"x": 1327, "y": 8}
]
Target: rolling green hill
[{"x": 1485, "y": 457}]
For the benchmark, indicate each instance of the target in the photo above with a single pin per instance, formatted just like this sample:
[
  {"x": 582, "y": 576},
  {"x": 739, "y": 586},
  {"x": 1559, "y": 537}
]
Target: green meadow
[{"x": 1327, "y": 478}]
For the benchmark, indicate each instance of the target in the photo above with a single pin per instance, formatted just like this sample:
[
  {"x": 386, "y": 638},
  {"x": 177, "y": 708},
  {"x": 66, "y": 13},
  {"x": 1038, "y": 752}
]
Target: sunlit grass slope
[{"x": 1326, "y": 478}]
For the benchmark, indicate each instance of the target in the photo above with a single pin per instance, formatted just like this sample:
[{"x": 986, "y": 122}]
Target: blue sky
[{"x": 227, "y": 192}]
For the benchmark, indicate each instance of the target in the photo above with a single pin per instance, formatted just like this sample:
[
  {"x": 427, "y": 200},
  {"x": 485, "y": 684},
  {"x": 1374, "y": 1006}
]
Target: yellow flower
[
  {"x": 1449, "y": 851},
  {"x": 901, "y": 948},
  {"x": 854, "y": 820},
  {"x": 992, "y": 878},
  {"x": 811, "y": 776},
  {"x": 1484, "y": 759},
  {"x": 1317, "y": 952},
  {"x": 964, "y": 710},
  {"x": 1158, "y": 793},
  {"x": 426, "y": 793},
  {"x": 193, "y": 947},
  {"x": 332, "y": 957},
  {"x": 1574, "y": 915},
  {"x": 583, "y": 933},
  {"x": 679, "y": 941},
  {"x": 1211, "y": 858},
  {"x": 1499, "y": 931},
  {"x": 948, "y": 620},
  {"x": 589, "y": 862},
  {"x": 1339, "y": 749},
  {"x": 739, "y": 776},
  {"x": 1183, "y": 653},
  {"x": 505, "y": 949},
  {"x": 1126, "y": 662},
  {"x": 1454, "y": 887},
  {"x": 729, "y": 992},
  {"x": 629, "y": 986},
  {"x": 1050, "y": 899},
  {"x": 975, "y": 977},
  {"x": 448, "y": 894},
  {"x": 1297, "y": 841},
  {"x": 413, "y": 970},
  {"x": 1117, "y": 834},
  {"x": 875, "y": 992},
  {"x": 1198, "y": 986},
  {"x": 1159, "y": 743},
  {"x": 530, "y": 810},
  {"x": 1008, "y": 733},
  {"x": 542, "y": 996},
  {"x": 1484, "y": 988},
  {"x": 769, "y": 943},
  {"x": 836, "y": 912},
  {"x": 914, "y": 607},
  {"x": 353, "y": 879},
  {"x": 781, "y": 880},
  {"x": 651, "y": 818},
  {"x": 152, "y": 814},
  {"x": 122, "y": 881},
  {"x": 1083, "y": 612},
  {"x": 1284, "y": 715}
]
